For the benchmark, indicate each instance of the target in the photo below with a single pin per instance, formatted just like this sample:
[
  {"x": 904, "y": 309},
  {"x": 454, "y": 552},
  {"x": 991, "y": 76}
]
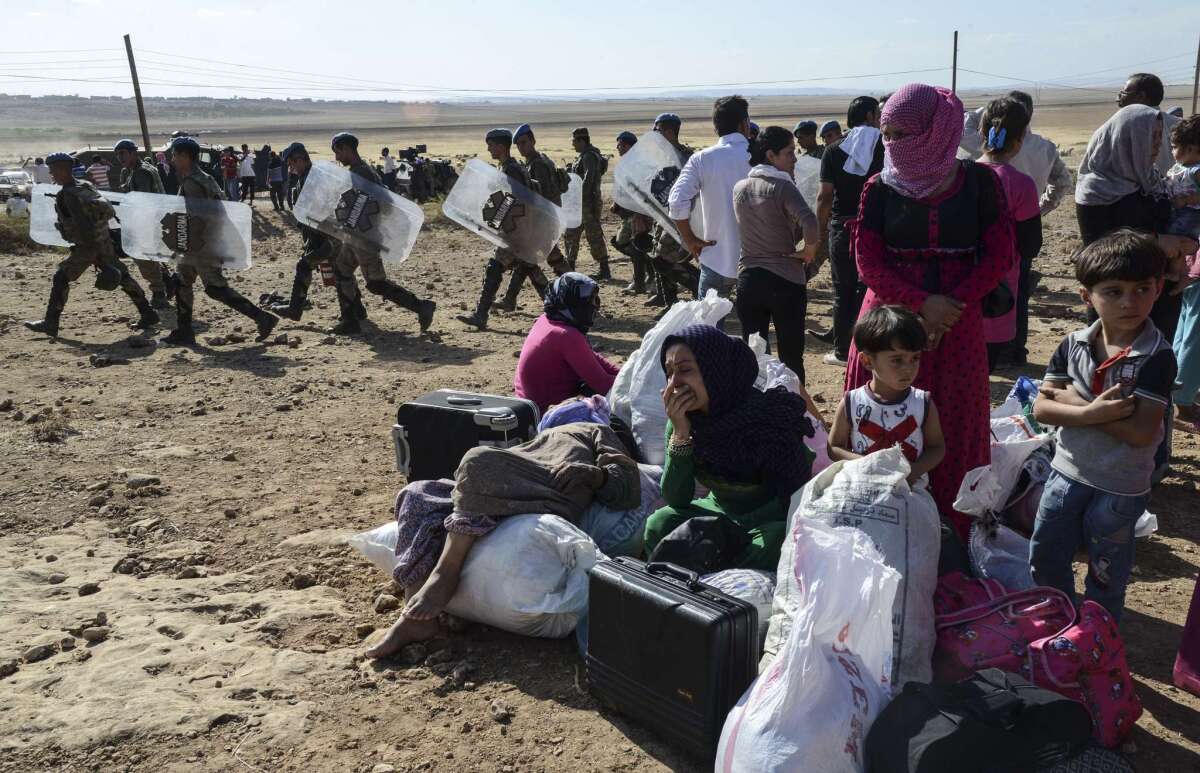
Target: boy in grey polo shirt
[{"x": 1107, "y": 388}]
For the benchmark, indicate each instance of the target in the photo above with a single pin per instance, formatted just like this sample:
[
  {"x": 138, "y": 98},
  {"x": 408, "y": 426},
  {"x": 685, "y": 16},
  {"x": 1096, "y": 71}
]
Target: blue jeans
[
  {"x": 1187, "y": 348},
  {"x": 713, "y": 280},
  {"x": 231, "y": 188},
  {"x": 1071, "y": 513}
]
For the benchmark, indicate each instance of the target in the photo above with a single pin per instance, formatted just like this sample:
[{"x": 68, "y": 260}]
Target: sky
[{"x": 415, "y": 49}]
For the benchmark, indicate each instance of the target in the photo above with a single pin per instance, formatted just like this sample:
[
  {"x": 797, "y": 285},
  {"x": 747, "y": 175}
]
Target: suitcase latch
[{"x": 499, "y": 419}]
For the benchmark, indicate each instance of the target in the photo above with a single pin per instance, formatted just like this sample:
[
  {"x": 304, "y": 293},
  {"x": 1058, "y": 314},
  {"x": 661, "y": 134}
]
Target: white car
[{"x": 14, "y": 182}]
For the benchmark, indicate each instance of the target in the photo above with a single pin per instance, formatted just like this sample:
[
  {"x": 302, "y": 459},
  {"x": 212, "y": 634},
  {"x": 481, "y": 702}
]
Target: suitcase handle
[
  {"x": 463, "y": 400},
  {"x": 674, "y": 570}
]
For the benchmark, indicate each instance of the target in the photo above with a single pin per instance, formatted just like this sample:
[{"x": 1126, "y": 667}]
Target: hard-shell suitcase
[
  {"x": 669, "y": 651},
  {"x": 433, "y": 432}
]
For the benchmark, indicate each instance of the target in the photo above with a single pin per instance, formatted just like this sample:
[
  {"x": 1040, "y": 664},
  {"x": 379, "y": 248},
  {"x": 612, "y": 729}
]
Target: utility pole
[
  {"x": 137, "y": 95},
  {"x": 1196, "y": 82},
  {"x": 954, "y": 66}
]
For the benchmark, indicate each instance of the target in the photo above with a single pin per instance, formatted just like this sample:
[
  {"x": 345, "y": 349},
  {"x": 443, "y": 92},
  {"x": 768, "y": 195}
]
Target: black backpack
[{"x": 991, "y": 722}]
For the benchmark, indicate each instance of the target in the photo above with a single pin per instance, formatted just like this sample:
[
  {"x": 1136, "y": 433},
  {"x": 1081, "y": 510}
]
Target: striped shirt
[{"x": 98, "y": 174}]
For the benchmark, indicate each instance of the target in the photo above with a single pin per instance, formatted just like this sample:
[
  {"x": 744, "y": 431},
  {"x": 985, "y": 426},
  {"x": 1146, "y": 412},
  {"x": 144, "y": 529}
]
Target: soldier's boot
[
  {"x": 538, "y": 279},
  {"x": 60, "y": 288},
  {"x": 294, "y": 308},
  {"x": 405, "y": 299},
  {"x": 158, "y": 299},
  {"x": 508, "y": 303},
  {"x": 493, "y": 276},
  {"x": 182, "y": 335},
  {"x": 604, "y": 273},
  {"x": 265, "y": 320},
  {"x": 348, "y": 311},
  {"x": 638, "y": 285},
  {"x": 147, "y": 316},
  {"x": 558, "y": 262},
  {"x": 692, "y": 274}
]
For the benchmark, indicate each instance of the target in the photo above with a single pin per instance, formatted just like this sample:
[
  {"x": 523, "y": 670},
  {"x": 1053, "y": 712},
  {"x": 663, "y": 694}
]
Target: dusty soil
[{"x": 224, "y": 626}]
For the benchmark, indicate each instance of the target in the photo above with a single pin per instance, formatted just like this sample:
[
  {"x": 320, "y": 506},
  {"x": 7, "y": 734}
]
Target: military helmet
[
  {"x": 126, "y": 144},
  {"x": 344, "y": 138},
  {"x": 107, "y": 278},
  {"x": 59, "y": 158}
]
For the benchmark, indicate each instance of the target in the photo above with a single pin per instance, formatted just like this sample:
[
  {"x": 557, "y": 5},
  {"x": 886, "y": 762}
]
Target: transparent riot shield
[
  {"x": 572, "y": 203},
  {"x": 507, "y": 214},
  {"x": 643, "y": 181},
  {"x": 807, "y": 175},
  {"x": 42, "y": 217},
  {"x": 192, "y": 232},
  {"x": 358, "y": 212}
]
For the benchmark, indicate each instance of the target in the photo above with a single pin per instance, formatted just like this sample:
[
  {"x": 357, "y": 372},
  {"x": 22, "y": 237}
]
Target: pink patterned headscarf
[{"x": 931, "y": 119}]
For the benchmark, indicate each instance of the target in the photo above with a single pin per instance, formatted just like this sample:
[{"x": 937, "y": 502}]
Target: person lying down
[{"x": 560, "y": 472}]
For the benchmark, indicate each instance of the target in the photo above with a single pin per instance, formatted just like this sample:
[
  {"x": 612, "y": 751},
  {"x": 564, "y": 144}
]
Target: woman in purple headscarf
[{"x": 934, "y": 234}]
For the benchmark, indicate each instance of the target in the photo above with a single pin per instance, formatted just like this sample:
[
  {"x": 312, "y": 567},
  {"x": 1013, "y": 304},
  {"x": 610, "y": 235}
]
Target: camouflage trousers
[
  {"x": 595, "y": 237},
  {"x": 153, "y": 271},
  {"x": 78, "y": 261},
  {"x": 371, "y": 265},
  {"x": 215, "y": 287}
]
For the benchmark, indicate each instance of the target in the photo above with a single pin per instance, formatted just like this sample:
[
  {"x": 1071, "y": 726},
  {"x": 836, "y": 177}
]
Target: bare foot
[
  {"x": 405, "y": 630},
  {"x": 427, "y": 603}
]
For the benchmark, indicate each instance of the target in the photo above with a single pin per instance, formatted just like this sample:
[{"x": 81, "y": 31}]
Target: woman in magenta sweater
[{"x": 557, "y": 362}]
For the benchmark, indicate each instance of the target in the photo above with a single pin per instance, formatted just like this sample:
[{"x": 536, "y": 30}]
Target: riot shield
[
  {"x": 507, "y": 214},
  {"x": 358, "y": 212},
  {"x": 572, "y": 203},
  {"x": 807, "y": 175},
  {"x": 192, "y": 232},
  {"x": 42, "y": 216},
  {"x": 643, "y": 180}
]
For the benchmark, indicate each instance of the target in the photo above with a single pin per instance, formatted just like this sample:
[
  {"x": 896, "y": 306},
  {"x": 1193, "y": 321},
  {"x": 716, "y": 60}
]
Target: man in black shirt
[{"x": 845, "y": 168}]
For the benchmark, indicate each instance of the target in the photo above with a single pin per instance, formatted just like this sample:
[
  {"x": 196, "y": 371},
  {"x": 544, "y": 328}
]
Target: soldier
[
  {"x": 591, "y": 166},
  {"x": 499, "y": 145},
  {"x": 345, "y": 150},
  {"x": 194, "y": 183},
  {"x": 547, "y": 181},
  {"x": 635, "y": 231},
  {"x": 83, "y": 216},
  {"x": 138, "y": 175},
  {"x": 316, "y": 248},
  {"x": 672, "y": 263}
]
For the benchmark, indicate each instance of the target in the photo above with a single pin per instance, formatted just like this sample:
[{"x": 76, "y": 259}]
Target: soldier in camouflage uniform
[
  {"x": 634, "y": 234},
  {"x": 499, "y": 145},
  {"x": 672, "y": 261},
  {"x": 546, "y": 180},
  {"x": 345, "y": 150},
  {"x": 194, "y": 183},
  {"x": 83, "y": 216},
  {"x": 591, "y": 166},
  {"x": 140, "y": 176},
  {"x": 316, "y": 248}
]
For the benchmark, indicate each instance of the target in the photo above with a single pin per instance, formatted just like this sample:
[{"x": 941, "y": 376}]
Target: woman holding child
[{"x": 934, "y": 235}]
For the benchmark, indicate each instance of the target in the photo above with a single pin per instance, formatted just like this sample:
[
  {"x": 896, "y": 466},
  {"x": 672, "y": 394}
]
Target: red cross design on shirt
[{"x": 886, "y": 438}]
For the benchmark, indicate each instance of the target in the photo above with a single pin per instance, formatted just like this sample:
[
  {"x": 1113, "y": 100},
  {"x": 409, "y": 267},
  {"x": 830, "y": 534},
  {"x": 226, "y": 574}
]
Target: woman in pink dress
[{"x": 935, "y": 234}]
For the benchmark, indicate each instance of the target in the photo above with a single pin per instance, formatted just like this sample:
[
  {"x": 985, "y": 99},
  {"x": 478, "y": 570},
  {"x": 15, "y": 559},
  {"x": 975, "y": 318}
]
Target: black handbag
[{"x": 702, "y": 544}]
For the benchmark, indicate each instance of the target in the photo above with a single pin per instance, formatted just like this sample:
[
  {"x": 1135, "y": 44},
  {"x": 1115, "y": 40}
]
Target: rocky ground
[{"x": 175, "y": 591}]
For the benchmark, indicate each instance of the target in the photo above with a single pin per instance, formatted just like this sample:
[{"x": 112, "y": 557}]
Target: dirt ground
[{"x": 175, "y": 591}]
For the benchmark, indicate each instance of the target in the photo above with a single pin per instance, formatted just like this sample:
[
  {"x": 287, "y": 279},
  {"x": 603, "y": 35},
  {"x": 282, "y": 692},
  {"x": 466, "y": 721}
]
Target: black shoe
[
  {"x": 266, "y": 323},
  {"x": 633, "y": 288},
  {"x": 179, "y": 337},
  {"x": 158, "y": 300},
  {"x": 148, "y": 318},
  {"x": 347, "y": 327},
  {"x": 286, "y": 310},
  {"x": 42, "y": 326},
  {"x": 473, "y": 320},
  {"x": 604, "y": 274},
  {"x": 655, "y": 300},
  {"x": 506, "y": 305},
  {"x": 425, "y": 315},
  {"x": 825, "y": 338}
]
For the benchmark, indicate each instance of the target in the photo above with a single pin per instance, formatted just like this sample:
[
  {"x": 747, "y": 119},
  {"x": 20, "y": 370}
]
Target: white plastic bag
[
  {"x": 811, "y": 710},
  {"x": 873, "y": 495},
  {"x": 636, "y": 395},
  {"x": 752, "y": 585},
  {"x": 528, "y": 576},
  {"x": 987, "y": 488}
]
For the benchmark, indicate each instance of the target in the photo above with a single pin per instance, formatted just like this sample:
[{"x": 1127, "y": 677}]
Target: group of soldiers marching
[{"x": 660, "y": 264}]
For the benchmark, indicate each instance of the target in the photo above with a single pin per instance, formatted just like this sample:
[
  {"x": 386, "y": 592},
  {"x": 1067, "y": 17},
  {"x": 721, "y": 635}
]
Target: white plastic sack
[
  {"x": 622, "y": 532},
  {"x": 1002, "y": 556},
  {"x": 873, "y": 495},
  {"x": 643, "y": 179},
  {"x": 42, "y": 216},
  {"x": 987, "y": 488},
  {"x": 358, "y": 212},
  {"x": 812, "y": 708},
  {"x": 507, "y": 214},
  {"x": 636, "y": 394},
  {"x": 528, "y": 576},
  {"x": 773, "y": 373},
  {"x": 192, "y": 232},
  {"x": 572, "y": 203},
  {"x": 751, "y": 585},
  {"x": 807, "y": 175}
]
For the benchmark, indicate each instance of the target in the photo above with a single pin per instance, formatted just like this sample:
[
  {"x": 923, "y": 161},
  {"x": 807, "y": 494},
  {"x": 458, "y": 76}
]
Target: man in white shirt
[
  {"x": 246, "y": 173},
  {"x": 16, "y": 206},
  {"x": 41, "y": 171},
  {"x": 389, "y": 169},
  {"x": 710, "y": 174}
]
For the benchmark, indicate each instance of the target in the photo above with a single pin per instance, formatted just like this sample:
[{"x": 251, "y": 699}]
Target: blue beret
[
  {"x": 295, "y": 147},
  {"x": 830, "y": 126},
  {"x": 668, "y": 118},
  {"x": 499, "y": 135},
  {"x": 125, "y": 145},
  {"x": 521, "y": 131},
  {"x": 754, "y": 127},
  {"x": 628, "y": 137},
  {"x": 805, "y": 126},
  {"x": 58, "y": 158},
  {"x": 344, "y": 138}
]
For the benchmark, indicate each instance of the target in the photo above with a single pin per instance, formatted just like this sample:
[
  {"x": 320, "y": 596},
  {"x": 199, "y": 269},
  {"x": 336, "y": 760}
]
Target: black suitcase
[
  {"x": 433, "y": 432},
  {"x": 668, "y": 651}
]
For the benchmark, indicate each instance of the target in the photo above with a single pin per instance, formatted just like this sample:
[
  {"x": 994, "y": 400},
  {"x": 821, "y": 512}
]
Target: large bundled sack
[
  {"x": 622, "y": 532},
  {"x": 812, "y": 708},
  {"x": 636, "y": 394},
  {"x": 872, "y": 495},
  {"x": 752, "y": 585},
  {"x": 528, "y": 576}
]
